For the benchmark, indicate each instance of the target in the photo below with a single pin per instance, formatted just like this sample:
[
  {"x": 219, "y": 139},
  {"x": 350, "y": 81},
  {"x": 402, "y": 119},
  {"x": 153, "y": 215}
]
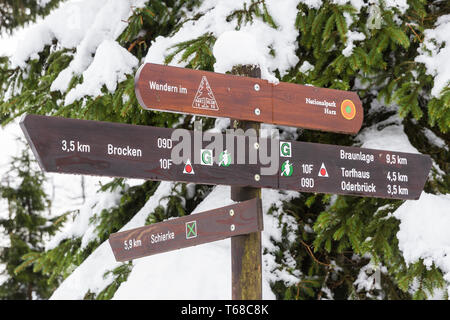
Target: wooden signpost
[
  {"x": 218, "y": 224},
  {"x": 131, "y": 151},
  {"x": 212, "y": 94}
]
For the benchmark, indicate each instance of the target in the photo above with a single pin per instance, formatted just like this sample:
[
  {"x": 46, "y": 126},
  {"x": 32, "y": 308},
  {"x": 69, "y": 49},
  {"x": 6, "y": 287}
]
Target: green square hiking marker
[
  {"x": 206, "y": 157},
  {"x": 191, "y": 229},
  {"x": 285, "y": 149}
]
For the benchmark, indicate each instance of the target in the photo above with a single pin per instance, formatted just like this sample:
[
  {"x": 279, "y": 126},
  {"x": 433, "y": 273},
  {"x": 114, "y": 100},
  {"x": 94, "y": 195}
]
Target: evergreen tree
[
  {"x": 15, "y": 13},
  {"x": 27, "y": 227},
  {"x": 338, "y": 239}
]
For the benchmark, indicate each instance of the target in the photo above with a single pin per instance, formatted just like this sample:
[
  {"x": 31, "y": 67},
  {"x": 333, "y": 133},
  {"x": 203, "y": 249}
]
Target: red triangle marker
[
  {"x": 323, "y": 171},
  {"x": 188, "y": 169}
]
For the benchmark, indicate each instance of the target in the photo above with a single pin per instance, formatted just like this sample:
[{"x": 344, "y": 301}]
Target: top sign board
[{"x": 173, "y": 89}]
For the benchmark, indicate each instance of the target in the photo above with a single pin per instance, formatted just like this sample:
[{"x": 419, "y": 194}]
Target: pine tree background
[
  {"x": 16, "y": 13},
  {"x": 338, "y": 238},
  {"x": 27, "y": 226}
]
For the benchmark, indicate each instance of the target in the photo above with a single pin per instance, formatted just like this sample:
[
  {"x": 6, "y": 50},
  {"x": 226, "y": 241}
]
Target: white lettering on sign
[
  {"x": 159, "y": 237},
  {"x": 204, "y": 98},
  {"x": 321, "y": 103},
  {"x": 165, "y": 163},
  {"x": 368, "y": 158},
  {"x": 131, "y": 243},
  {"x": 396, "y": 190},
  {"x": 307, "y": 168},
  {"x": 353, "y": 173},
  {"x": 358, "y": 187},
  {"x": 395, "y": 159},
  {"x": 164, "y": 143},
  {"x": 72, "y": 146},
  {"x": 307, "y": 182},
  {"x": 167, "y": 87},
  {"x": 325, "y": 104},
  {"x": 124, "y": 151}
]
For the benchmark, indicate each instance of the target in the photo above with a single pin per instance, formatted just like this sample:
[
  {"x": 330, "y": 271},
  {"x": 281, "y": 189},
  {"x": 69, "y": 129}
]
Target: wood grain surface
[
  {"x": 348, "y": 170},
  {"x": 218, "y": 224},
  {"x": 166, "y": 88}
]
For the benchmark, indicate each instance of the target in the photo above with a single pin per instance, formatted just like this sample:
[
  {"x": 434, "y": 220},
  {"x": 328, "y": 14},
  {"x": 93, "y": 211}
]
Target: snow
[
  {"x": 203, "y": 272},
  {"x": 89, "y": 275},
  {"x": 423, "y": 232},
  {"x": 200, "y": 272},
  {"x": 81, "y": 227},
  {"x": 401, "y": 5},
  {"x": 434, "y": 53},
  {"x": 91, "y": 27},
  {"x": 64, "y": 191},
  {"x": 357, "y": 4},
  {"x": 313, "y": 4},
  {"x": 391, "y": 137},
  {"x": 434, "y": 139},
  {"x": 251, "y": 52},
  {"x": 352, "y": 36},
  {"x": 306, "y": 67},
  {"x": 8, "y": 42},
  {"x": 281, "y": 40},
  {"x": 111, "y": 64},
  {"x": 369, "y": 279}
]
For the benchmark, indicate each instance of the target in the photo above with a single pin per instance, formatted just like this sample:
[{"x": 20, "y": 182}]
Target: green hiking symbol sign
[
  {"x": 224, "y": 159},
  {"x": 287, "y": 169}
]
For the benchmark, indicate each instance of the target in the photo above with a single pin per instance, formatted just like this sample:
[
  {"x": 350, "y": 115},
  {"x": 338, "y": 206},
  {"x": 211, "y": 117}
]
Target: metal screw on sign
[
  {"x": 232, "y": 227},
  {"x": 256, "y": 145},
  {"x": 257, "y": 177},
  {"x": 231, "y": 212},
  {"x": 257, "y": 111},
  {"x": 256, "y": 87}
]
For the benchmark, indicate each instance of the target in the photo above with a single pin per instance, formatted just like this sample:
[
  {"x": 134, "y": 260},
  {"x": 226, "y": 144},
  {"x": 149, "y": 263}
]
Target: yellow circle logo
[{"x": 348, "y": 109}]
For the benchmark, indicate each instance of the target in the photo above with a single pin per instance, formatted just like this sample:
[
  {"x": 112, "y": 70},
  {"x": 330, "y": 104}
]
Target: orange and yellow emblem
[{"x": 348, "y": 109}]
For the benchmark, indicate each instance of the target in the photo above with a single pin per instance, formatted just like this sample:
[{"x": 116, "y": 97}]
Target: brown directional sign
[
  {"x": 237, "y": 219},
  {"x": 173, "y": 89},
  {"x": 312, "y": 167},
  {"x": 131, "y": 151}
]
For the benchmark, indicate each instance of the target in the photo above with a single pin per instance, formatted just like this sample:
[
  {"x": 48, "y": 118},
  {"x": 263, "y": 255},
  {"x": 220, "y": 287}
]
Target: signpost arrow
[
  {"x": 241, "y": 218},
  {"x": 131, "y": 151},
  {"x": 313, "y": 167},
  {"x": 174, "y": 89}
]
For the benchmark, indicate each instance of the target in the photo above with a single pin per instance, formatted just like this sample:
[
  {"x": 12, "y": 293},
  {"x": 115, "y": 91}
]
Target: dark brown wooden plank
[
  {"x": 187, "y": 231},
  {"x": 367, "y": 176},
  {"x": 345, "y": 176},
  {"x": 173, "y": 89},
  {"x": 317, "y": 108},
  {"x": 45, "y": 135}
]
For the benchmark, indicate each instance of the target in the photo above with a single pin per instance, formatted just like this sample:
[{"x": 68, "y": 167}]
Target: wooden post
[{"x": 246, "y": 265}]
